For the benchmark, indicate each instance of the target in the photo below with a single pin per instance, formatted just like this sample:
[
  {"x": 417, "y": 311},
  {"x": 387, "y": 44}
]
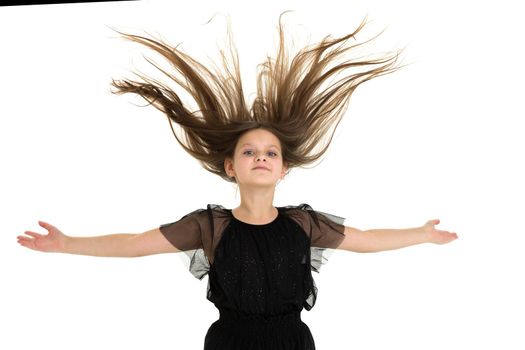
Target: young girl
[{"x": 258, "y": 257}]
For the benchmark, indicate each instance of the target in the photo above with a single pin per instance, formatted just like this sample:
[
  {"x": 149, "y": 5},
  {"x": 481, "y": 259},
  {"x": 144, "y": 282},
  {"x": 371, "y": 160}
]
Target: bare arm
[
  {"x": 114, "y": 245},
  {"x": 151, "y": 242},
  {"x": 117, "y": 245},
  {"x": 376, "y": 240}
]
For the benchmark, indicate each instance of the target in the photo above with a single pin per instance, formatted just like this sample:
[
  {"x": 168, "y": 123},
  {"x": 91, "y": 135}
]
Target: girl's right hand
[{"x": 54, "y": 241}]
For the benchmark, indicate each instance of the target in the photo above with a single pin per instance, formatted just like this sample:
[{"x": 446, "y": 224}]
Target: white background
[{"x": 438, "y": 139}]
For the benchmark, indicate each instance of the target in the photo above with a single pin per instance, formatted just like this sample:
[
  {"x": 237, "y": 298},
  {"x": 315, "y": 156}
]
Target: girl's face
[{"x": 257, "y": 148}]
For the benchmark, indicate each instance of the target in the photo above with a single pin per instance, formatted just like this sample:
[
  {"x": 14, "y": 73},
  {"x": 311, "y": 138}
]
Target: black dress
[{"x": 259, "y": 276}]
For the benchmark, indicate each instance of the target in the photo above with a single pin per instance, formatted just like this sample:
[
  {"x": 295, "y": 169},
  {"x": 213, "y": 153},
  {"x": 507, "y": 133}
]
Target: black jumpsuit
[{"x": 259, "y": 276}]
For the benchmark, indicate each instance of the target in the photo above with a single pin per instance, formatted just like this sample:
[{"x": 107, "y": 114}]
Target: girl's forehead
[{"x": 259, "y": 137}]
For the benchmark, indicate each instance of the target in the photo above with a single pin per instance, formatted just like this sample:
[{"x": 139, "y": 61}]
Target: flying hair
[{"x": 290, "y": 102}]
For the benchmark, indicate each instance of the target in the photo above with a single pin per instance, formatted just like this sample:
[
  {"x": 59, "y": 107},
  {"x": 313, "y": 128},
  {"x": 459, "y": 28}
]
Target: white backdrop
[{"x": 438, "y": 139}]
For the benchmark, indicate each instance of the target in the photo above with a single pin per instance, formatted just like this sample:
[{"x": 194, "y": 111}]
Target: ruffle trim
[
  {"x": 319, "y": 257},
  {"x": 196, "y": 262}
]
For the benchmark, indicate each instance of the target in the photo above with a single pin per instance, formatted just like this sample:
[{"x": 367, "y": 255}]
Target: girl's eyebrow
[{"x": 249, "y": 144}]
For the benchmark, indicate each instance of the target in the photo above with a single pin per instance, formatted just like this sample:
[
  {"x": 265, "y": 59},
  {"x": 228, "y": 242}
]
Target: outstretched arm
[
  {"x": 376, "y": 240},
  {"x": 115, "y": 245}
]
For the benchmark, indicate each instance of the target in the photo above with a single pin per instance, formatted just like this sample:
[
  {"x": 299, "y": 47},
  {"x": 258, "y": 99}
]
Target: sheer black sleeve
[
  {"x": 325, "y": 232},
  {"x": 192, "y": 235}
]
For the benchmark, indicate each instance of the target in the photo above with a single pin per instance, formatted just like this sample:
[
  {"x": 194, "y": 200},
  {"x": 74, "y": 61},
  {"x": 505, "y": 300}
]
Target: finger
[
  {"x": 33, "y": 234},
  {"x": 28, "y": 243},
  {"x": 450, "y": 236}
]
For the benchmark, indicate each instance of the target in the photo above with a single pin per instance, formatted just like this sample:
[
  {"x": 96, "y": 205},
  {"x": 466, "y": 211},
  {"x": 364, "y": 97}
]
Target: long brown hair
[{"x": 288, "y": 102}]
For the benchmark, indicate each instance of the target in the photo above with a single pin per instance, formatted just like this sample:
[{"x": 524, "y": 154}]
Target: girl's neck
[
  {"x": 256, "y": 204},
  {"x": 254, "y": 215}
]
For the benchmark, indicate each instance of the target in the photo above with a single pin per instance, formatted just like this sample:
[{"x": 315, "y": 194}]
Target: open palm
[
  {"x": 438, "y": 236},
  {"x": 52, "y": 242}
]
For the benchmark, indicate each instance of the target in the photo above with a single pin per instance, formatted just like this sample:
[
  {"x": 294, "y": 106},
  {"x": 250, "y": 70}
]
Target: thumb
[
  {"x": 45, "y": 224},
  {"x": 433, "y": 222}
]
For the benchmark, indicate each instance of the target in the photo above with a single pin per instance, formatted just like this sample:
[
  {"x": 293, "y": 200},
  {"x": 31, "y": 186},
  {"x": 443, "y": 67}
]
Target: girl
[{"x": 258, "y": 257}]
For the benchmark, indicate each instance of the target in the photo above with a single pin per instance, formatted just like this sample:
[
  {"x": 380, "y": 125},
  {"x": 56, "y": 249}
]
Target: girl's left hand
[{"x": 438, "y": 236}]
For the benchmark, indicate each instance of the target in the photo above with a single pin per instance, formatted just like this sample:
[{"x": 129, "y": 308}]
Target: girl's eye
[{"x": 271, "y": 152}]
